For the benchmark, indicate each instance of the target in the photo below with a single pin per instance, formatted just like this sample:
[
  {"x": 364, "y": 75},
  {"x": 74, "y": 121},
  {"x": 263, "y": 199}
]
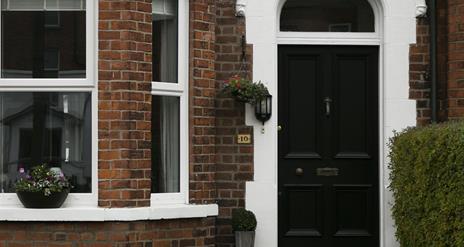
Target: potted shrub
[
  {"x": 244, "y": 226},
  {"x": 244, "y": 90},
  {"x": 42, "y": 188}
]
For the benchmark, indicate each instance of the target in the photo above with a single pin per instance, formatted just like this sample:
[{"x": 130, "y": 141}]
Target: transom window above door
[{"x": 327, "y": 16}]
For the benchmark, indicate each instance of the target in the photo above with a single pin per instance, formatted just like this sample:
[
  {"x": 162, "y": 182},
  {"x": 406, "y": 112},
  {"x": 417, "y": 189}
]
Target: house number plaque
[{"x": 244, "y": 139}]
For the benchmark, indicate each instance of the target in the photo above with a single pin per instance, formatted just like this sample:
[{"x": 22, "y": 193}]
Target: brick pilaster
[
  {"x": 124, "y": 86},
  {"x": 202, "y": 95}
]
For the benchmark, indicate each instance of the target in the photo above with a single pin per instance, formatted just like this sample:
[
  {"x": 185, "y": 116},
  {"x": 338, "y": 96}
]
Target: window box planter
[
  {"x": 39, "y": 200},
  {"x": 43, "y": 187}
]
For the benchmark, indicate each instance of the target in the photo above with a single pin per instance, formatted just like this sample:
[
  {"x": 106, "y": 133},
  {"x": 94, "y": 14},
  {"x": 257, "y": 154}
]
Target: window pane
[
  {"x": 65, "y": 4},
  {"x": 51, "y": 128},
  {"x": 327, "y": 16},
  {"x": 165, "y": 42},
  {"x": 166, "y": 144},
  {"x": 32, "y": 41}
]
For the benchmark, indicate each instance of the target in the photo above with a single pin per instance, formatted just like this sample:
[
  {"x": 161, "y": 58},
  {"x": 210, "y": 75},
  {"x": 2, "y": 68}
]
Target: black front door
[{"x": 328, "y": 146}]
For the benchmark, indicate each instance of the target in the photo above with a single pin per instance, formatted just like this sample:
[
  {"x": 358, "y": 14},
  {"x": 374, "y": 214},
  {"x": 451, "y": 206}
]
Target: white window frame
[
  {"x": 179, "y": 89},
  {"x": 87, "y": 84},
  {"x": 90, "y": 61}
]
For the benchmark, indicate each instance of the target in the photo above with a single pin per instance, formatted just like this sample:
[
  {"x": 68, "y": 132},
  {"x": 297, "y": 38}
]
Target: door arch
[
  {"x": 396, "y": 110},
  {"x": 327, "y": 202}
]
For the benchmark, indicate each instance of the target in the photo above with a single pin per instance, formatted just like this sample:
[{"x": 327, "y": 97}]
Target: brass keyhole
[{"x": 299, "y": 172}]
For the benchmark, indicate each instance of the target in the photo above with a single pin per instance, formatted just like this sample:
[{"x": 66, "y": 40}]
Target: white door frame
[{"x": 395, "y": 31}]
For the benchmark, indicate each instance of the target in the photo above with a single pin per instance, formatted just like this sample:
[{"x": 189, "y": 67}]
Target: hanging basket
[{"x": 245, "y": 91}]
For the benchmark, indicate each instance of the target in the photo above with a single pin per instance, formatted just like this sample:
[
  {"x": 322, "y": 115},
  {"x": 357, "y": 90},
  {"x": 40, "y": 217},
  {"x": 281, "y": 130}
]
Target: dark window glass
[
  {"x": 165, "y": 40},
  {"x": 166, "y": 147},
  {"x": 327, "y": 16},
  {"x": 50, "y": 128},
  {"x": 43, "y": 44}
]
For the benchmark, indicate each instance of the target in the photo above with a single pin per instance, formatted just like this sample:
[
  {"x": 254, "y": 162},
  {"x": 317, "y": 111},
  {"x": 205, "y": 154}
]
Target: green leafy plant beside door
[
  {"x": 244, "y": 225},
  {"x": 427, "y": 181}
]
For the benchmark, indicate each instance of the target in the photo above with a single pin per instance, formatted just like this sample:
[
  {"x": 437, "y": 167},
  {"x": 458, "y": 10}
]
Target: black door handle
[{"x": 327, "y": 102}]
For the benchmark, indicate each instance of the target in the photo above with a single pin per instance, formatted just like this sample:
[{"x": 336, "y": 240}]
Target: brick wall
[
  {"x": 174, "y": 233},
  {"x": 234, "y": 161},
  {"x": 455, "y": 65},
  {"x": 124, "y": 127},
  {"x": 202, "y": 94},
  {"x": 419, "y": 72},
  {"x": 124, "y": 165},
  {"x": 420, "y": 77}
]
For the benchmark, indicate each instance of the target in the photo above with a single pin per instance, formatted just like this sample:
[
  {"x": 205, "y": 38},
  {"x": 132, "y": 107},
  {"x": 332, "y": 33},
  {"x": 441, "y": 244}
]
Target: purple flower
[{"x": 21, "y": 170}]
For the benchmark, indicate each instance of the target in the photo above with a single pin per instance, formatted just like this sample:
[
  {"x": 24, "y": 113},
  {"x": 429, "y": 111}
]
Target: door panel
[
  {"x": 302, "y": 139},
  {"x": 353, "y": 210},
  {"x": 305, "y": 210},
  {"x": 328, "y": 146}
]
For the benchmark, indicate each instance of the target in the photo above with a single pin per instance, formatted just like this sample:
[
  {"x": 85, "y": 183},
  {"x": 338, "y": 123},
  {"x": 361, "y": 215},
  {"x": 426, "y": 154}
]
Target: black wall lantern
[{"x": 263, "y": 109}]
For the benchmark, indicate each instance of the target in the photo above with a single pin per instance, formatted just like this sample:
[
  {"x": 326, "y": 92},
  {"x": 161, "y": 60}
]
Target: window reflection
[
  {"x": 165, "y": 43},
  {"x": 50, "y": 128},
  {"x": 43, "y": 44}
]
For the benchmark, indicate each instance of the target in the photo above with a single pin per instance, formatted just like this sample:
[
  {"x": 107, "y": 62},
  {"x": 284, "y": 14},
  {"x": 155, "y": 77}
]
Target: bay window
[
  {"x": 170, "y": 102},
  {"x": 47, "y": 93}
]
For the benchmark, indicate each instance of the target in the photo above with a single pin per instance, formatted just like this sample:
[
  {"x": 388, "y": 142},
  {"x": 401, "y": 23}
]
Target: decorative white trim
[
  {"x": 179, "y": 89},
  {"x": 421, "y": 8},
  {"x": 240, "y": 8},
  {"x": 395, "y": 31},
  {"x": 92, "y": 214},
  {"x": 327, "y": 38}
]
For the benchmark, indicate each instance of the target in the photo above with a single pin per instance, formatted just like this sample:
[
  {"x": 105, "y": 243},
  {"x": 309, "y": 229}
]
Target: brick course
[{"x": 173, "y": 233}]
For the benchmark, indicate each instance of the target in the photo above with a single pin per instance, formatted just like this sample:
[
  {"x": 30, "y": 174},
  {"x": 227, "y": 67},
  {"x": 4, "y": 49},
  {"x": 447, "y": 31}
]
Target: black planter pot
[{"x": 39, "y": 200}]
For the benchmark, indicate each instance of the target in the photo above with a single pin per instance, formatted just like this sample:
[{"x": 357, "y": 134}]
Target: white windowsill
[{"x": 177, "y": 211}]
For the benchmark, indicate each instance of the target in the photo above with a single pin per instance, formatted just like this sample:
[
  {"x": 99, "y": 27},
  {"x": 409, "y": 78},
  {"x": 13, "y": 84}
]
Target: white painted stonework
[
  {"x": 395, "y": 25},
  {"x": 95, "y": 214}
]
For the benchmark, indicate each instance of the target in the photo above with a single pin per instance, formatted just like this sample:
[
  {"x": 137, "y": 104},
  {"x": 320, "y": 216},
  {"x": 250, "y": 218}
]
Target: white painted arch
[{"x": 395, "y": 31}]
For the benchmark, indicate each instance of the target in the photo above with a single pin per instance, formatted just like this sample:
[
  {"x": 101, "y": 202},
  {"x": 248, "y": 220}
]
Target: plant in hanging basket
[
  {"x": 42, "y": 188},
  {"x": 244, "y": 90}
]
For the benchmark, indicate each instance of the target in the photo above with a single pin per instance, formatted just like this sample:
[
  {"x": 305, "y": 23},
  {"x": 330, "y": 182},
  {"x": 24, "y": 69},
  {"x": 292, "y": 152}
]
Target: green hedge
[{"x": 427, "y": 178}]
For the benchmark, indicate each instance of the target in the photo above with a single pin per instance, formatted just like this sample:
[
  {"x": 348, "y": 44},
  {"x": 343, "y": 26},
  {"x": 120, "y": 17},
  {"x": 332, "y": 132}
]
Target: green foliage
[
  {"x": 243, "y": 220},
  {"x": 245, "y": 90},
  {"x": 42, "y": 179},
  {"x": 427, "y": 174}
]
